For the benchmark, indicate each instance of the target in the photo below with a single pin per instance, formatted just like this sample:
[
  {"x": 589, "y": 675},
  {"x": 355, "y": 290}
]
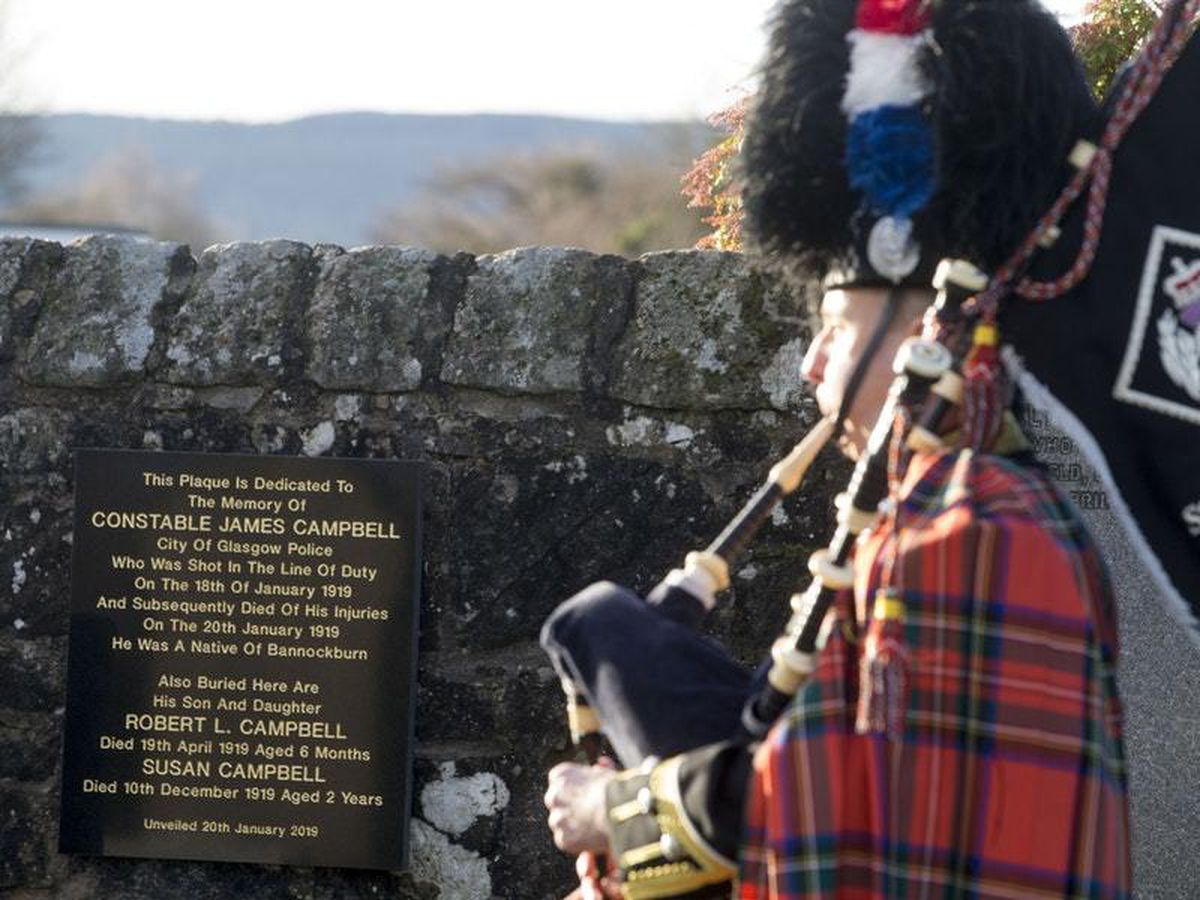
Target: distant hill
[{"x": 327, "y": 177}]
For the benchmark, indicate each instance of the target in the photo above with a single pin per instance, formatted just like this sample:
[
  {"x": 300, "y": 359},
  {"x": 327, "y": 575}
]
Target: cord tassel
[
  {"x": 883, "y": 675},
  {"x": 983, "y": 389}
]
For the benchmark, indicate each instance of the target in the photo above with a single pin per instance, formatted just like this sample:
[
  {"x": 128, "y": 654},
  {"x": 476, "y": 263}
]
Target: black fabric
[
  {"x": 659, "y": 688},
  {"x": 1100, "y": 348},
  {"x": 712, "y": 785},
  {"x": 862, "y": 275}
]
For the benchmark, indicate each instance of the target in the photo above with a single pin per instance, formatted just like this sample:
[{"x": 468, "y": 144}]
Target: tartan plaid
[{"x": 1009, "y": 779}]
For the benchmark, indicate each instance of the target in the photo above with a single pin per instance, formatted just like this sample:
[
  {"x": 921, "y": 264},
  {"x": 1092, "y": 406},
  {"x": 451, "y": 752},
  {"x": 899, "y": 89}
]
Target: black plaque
[{"x": 242, "y": 658}]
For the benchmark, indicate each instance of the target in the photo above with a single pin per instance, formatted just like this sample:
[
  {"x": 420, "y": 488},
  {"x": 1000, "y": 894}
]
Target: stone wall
[{"x": 582, "y": 416}]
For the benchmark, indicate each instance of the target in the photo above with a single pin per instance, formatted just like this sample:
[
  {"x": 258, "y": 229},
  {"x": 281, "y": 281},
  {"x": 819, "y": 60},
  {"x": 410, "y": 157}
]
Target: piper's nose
[{"x": 812, "y": 367}]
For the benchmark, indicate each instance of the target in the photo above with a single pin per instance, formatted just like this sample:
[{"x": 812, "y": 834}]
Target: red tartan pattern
[{"x": 1009, "y": 779}]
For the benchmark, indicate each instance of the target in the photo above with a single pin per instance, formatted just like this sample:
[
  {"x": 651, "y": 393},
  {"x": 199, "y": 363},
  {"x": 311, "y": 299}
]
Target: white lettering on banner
[{"x": 1191, "y": 518}]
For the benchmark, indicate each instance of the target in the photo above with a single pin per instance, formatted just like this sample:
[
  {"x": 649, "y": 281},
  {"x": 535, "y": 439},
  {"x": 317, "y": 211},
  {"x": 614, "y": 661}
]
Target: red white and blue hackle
[{"x": 889, "y": 144}]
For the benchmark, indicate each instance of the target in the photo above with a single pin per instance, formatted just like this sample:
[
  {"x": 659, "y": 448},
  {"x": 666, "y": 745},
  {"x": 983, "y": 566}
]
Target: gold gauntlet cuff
[{"x": 655, "y": 843}]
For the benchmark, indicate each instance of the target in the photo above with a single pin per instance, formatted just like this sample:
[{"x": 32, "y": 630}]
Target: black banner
[{"x": 1116, "y": 362}]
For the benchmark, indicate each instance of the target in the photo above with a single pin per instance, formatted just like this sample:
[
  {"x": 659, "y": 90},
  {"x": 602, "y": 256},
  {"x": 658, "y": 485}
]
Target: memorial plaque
[{"x": 242, "y": 658}]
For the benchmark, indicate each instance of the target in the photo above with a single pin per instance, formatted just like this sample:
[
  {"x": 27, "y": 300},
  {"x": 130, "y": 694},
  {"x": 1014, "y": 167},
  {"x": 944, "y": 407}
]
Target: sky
[{"x": 273, "y": 60}]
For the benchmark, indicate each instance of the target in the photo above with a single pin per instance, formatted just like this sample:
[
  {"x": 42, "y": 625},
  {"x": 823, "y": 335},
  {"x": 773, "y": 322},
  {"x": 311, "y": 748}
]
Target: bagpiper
[{"x": 941, "y": 716}]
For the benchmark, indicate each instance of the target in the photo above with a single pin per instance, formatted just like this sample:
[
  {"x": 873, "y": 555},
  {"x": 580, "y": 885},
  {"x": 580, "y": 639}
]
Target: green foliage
[{"x": 1108, "y": 36}]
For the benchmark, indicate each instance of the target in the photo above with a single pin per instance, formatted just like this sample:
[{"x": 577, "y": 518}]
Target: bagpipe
[{"x": 1107, "y": 283}]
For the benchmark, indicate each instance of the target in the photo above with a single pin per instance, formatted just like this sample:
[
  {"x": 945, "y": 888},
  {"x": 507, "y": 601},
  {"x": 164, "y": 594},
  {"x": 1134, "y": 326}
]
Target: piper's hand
[{"x": 578, "y": 812}]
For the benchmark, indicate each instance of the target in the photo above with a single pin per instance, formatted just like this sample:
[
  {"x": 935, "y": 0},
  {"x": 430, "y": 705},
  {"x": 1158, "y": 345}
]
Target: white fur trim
[
  {"x": 1040, "y": 397},
  {"x": 883, "y": 69}
]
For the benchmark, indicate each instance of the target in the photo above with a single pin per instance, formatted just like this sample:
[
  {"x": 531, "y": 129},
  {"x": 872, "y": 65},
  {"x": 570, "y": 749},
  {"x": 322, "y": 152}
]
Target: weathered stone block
[
  {"x": 33, "y": 439},
  {"x": 454, "y": 801},
  {"x": 35, "y": 556},
  {"x": 25, "y": 820},
  {"x": 33, "y": 672},
  {"x": 458, "y": 871},
  {"x": 471, "y": 828},
  {"x": 164, "y": 879},
  {"x": 12, "y": 255},
  {"x": 96, "y": 327},
  {"x": 370, "y": 319},
  {"x": 526, "y": 321},
  {"x": 449, "y": 710},
  {"x": 29, "y": 745},
  {"x": 237, "y": 324},
  {"x": 542, "y": 529},
  {"x": 709, "y": 332},
  {"x": 345, "y": 884}
]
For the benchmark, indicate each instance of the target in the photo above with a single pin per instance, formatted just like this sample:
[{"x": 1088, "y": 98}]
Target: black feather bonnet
[{"x": 1003, "y": 102}]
